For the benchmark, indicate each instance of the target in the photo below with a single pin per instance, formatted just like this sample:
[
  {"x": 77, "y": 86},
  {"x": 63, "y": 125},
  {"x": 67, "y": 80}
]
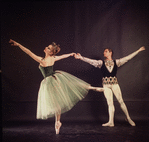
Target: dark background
[{"x": 86, "y": 27}]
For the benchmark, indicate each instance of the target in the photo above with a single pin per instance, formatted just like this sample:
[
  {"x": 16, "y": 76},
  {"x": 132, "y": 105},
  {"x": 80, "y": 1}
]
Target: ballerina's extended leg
[{"x": 98, "y": 89}]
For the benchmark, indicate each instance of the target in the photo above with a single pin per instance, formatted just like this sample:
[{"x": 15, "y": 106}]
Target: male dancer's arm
[
  {"x": 95, "y": 63},
  {"x": 123, "y": 60}
]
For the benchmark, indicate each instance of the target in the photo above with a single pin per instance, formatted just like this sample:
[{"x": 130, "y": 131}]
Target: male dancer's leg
[
  {"x": 117, "y": 92},
  {"x": 109, "y": 96}
]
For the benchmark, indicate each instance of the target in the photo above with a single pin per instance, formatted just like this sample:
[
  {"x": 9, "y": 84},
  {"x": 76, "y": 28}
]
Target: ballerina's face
[{"x": 49, "y": 50}]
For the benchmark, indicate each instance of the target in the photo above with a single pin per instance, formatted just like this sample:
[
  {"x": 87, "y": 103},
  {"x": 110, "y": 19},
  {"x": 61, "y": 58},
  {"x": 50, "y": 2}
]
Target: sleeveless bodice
[
  {"x": 46, "y": 71},
  {"x": 105, "y": 71}
]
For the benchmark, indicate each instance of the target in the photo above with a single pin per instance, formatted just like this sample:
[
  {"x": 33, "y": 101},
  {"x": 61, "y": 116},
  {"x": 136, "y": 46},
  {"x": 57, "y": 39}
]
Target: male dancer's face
[{"x": 107, "y": 53}]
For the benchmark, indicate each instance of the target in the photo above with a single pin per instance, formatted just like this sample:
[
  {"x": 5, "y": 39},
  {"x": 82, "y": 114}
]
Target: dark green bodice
[{"x": 46, "y": 71}]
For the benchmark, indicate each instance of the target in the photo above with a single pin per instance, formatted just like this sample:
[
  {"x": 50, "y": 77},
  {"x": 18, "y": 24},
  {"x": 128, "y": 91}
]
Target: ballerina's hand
[
  {"x": 142, "y": 48},
  {"x": 72, "y": 54},
  {"x": 13, "y": 43}
]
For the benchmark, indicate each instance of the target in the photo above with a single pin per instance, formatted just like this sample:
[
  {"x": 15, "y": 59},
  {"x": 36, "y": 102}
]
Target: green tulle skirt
[{"x": 58, "y": 93}]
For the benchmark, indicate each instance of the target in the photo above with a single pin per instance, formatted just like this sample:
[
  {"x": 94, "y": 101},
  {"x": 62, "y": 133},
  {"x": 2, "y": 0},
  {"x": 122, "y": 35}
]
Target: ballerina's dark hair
[{"x": 56, "y": 48}]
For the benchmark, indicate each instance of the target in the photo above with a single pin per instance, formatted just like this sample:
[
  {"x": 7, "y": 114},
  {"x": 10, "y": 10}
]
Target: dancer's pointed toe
[
  {"x": 57, "y": 127},
  {"x": 132, "y": 123}
]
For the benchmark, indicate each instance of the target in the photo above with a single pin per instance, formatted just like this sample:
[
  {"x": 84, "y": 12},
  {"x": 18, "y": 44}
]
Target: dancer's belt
[{"x": 109, "y": 80}]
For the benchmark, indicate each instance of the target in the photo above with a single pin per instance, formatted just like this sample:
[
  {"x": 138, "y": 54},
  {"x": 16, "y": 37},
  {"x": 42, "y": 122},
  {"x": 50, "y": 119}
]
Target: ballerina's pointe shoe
[
  {"x": 108, "y": 125},
  {"x": 57, "y": 127}
]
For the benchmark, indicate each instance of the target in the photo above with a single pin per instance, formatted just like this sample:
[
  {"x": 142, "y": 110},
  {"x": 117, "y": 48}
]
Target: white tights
[{"x": 108, "y": 92}]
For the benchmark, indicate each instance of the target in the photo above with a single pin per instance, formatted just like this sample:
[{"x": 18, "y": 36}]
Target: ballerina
[{"x": 59, "y": 91}]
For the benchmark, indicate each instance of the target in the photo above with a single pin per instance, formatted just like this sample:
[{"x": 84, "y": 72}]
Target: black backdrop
[{"x": 86, "y": 27}]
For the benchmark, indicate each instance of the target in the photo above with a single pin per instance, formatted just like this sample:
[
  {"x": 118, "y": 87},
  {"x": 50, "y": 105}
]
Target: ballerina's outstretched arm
[
  {"x": 64, "y": 56},
  {"x": 27, "y": 51}
]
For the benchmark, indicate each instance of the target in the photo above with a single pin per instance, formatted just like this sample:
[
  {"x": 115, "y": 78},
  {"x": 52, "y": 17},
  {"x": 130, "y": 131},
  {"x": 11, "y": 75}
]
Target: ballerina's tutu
[{"x": 59, "y": 92}]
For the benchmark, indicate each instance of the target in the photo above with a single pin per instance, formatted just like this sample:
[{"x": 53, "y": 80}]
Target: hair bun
[{"x": 56, "y": 48}]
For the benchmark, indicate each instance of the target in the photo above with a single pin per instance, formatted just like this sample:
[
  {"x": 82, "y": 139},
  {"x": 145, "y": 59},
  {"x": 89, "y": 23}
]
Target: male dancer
[{"x": 109, "y": 81}]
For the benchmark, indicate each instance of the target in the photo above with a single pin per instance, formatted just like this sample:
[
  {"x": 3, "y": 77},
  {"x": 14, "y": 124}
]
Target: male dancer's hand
[
  {"x": 78, "y": 56},
  {"x": 142, "y": 48}
]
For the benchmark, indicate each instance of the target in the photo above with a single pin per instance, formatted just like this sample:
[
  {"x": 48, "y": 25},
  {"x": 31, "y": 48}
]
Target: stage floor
[{"x": 74, "y": 132}]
